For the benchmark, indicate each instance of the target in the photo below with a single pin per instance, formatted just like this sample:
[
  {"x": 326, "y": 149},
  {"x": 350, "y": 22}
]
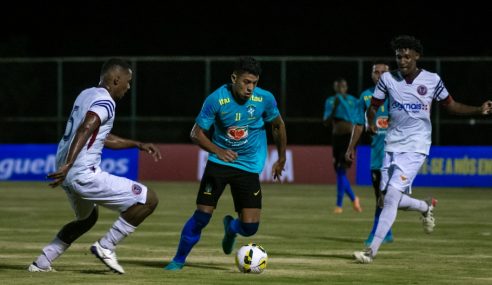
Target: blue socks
[
  {"x": 343, "y": 186},
  {"x": 190, "y": 234}
]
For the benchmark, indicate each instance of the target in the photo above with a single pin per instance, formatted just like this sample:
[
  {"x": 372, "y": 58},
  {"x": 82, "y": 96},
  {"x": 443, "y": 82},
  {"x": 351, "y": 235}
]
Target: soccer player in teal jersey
[
  {"x": 237, "y": 152},
  {"x": 377, "y": 142},
  {"x": 339, "y": 112}
]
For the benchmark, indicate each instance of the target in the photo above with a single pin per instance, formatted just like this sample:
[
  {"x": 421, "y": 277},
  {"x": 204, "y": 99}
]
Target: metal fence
[{"x": 37, "y": 94}]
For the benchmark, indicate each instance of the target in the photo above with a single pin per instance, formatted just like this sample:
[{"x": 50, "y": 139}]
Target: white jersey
[
  {"x": 96, "y": 100},
  {"x": 410, "y": 104}
]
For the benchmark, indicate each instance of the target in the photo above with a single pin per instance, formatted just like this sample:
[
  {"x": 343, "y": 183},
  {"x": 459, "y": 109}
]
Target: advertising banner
[
  {"x": 181, "y": 162},
  {"x": 35, "y": 161},
  {"x": 446, "y": 166}
]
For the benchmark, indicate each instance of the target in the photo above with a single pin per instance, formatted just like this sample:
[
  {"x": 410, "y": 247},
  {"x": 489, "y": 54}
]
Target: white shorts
[
  {"x": 400, "y": 169},
  {"x": 86, "y": 190}
]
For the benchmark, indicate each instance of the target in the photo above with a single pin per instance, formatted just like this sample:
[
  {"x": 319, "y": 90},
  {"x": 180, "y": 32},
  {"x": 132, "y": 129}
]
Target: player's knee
[
  {"x": 249, "y": 229},
  {"x": 152, "y": 200},
  {"x": 201, "y": 218},
  {"x": 73, "y": 230}
]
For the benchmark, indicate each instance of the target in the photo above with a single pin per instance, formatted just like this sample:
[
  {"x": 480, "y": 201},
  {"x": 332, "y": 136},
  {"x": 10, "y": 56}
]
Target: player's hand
[
  {"x": 151, "y": 150},
  {"x": 226, "y": 155},
  {"x": 487, "y": 108},
  {"x": 372, "y": 129},
  {"x": 350, "y": 154},
  {"x": 277, "y": 169},
  {"x": 60, "y": 175}
]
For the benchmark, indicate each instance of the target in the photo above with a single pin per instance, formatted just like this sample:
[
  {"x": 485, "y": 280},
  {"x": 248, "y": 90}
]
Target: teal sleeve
[{"x": 206, "y": 117}]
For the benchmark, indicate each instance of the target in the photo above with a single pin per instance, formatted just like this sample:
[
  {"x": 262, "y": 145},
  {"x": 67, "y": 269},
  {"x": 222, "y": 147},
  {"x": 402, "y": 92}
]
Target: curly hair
[{"x": 407, "y": 42}]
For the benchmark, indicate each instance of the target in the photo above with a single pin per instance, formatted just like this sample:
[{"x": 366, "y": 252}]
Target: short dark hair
[
  {"x": 380, "y": 61},
  {"x": 114, "y": 62},
  {"x": 247, "y": 64},
  {"x": 409, "y": 42},
  {"x": 340, "y": 79}
]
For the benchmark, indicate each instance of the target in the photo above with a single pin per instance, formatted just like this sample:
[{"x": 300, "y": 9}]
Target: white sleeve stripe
[
  {"x": 438, "y": 91},
  {"x": 438, "y": 86},
  {"x": 107, "y": 107},
  {"x": 382, "y": 86},
  {"x": 111, "y": 104}
]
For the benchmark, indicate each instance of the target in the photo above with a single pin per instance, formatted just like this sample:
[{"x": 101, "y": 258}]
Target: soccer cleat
[
  {"x": 35, "y": 268},
  {"x": 228, "y": 240},
  {"x": 364, "y": 256},
  {"x": 107, "y": 256},
  {"x": 174, "y": 266},
  {"x": 428, "y": 221},
  {"x": 338, "y": 210},
  {"x": 356, "y": 205}
]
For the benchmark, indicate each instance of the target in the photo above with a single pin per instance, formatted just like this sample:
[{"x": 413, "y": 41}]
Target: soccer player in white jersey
[
  {"x": 78, "y": 161},
  {"x": 410, "y": 91}
]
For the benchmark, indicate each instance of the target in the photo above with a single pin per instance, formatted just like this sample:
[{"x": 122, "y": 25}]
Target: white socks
[
  {"x": 117, "y": 233},
  {"x": 387, "y": 218},
  {"x": 51, "y": 252},
  {"x": 408, "y": 203}
]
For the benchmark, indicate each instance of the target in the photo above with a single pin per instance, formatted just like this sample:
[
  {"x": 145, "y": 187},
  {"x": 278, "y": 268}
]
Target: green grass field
[{"x": 306, "y": 243}]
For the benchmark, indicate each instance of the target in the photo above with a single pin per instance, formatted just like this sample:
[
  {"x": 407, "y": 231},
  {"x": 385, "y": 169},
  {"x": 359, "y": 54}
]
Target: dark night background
[
  {"x": 338, "y": 28},
  {"x": 175, "y": 89}
]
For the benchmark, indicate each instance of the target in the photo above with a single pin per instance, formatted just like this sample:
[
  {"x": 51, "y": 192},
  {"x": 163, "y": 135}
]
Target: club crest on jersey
[
  {"x": 422, "y": 90},
  {"x": 237, "y": 133},
  {"x": 251, "y": 109},
  {"x": 382, "y": 122},
  {"x": 136, "y": 189}
]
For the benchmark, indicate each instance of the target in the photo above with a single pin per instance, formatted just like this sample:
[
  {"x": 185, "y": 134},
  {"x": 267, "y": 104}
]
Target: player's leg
[
  {"x": 86, "y": 216},
  {"x": 340, "y": 147},
  {"x": 376, "y": 183},
  {"x": 337, "y": 146},
  {"x": 247, "y": 196},
  {"x": 132, "y": 199},
  {"x": 211, "y": 187},
  {"x": 401, "y": 170}
]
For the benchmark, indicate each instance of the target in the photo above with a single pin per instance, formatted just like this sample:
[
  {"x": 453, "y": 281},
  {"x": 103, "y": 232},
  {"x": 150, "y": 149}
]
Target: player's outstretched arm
[
  {"x": 462, "y": 109},
  {"x": 199, "y": 137},
  {"x": 84, "y": 132},
  {"x": 116, "y": 142},
  {"x": 280, "y": 138}
]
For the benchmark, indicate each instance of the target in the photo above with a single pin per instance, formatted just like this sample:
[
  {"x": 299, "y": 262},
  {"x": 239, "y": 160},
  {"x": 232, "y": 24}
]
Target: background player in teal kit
[
  {"x": 377, "y": 142},
  {"x": 339, "y": 112},
  {"x": 237, "y": 152}
]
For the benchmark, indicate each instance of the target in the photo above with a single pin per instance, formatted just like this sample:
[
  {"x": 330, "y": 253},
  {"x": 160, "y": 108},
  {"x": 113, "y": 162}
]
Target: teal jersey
[
  {"x": 345, "y": 110},
  {"x": 237, "y": 127},
  {"x": 377, "y": 142}
]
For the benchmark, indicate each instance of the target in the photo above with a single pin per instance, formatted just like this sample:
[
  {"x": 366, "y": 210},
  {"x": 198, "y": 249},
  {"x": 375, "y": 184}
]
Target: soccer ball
[{"x": 251, "y": 258}]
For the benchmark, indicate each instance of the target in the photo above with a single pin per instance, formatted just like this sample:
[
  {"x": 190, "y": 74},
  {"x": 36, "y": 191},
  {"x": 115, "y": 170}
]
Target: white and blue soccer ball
[{"x": 251, "y": 258}]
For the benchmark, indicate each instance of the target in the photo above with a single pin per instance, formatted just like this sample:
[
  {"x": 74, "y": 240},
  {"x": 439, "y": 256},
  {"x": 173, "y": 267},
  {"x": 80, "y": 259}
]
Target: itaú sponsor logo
[
  {"x": 410, "y": 107},
  {"x": 32, "y": 167}
]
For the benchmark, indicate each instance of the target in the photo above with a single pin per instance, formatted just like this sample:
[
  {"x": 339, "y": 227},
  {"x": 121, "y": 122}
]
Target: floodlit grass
[{"x": 306, "y": 243}]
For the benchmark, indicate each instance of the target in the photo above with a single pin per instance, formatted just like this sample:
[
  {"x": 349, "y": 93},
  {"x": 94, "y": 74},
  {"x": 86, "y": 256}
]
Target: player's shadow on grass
[
  {"x": 339, "y": 239},
  {"x": 161, "y": 264},
  {"x": 14, "y": 267},
  {"x": 310, "y": 255},
  {"x": 97, "y": 272}
]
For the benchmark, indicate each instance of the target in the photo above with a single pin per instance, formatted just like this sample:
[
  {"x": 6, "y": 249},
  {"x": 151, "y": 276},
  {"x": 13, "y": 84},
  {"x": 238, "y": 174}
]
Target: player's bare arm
[
  {"x": 354, "y": 139},
  {"x": 280, "y": 138},
  {"x": 84, "y": 132},
  {"x": 371, "y": 114},
  {"x": 115, "y": 142},
  {"x": 462, "y": 109},
  {"x": 199, "y": 137}
]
